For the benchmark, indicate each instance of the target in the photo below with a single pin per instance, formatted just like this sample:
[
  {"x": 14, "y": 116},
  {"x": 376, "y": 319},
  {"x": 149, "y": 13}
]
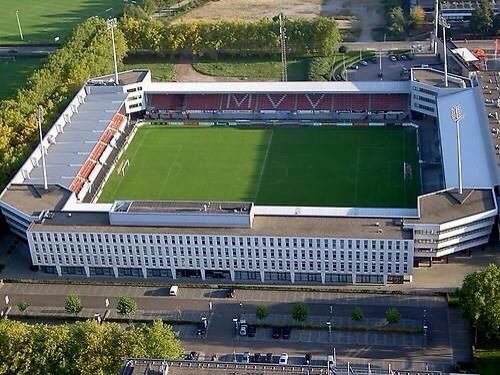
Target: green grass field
[
  {"x": 43, "y": 20},
  {"x": 252, "y": 68},
  {"x": 314, "y": 166},
  {"x": 13, "y": 74},
  {"x": 162, "y": 70}
]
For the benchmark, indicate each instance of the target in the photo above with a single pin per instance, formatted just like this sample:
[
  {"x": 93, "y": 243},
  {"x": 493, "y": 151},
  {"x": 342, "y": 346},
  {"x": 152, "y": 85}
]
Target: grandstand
[{"x": 316, "y": 182}]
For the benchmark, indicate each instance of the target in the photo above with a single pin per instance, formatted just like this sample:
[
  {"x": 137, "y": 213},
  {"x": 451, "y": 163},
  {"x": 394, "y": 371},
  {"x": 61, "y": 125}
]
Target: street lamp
[
  {"x": 457, "y": 115},
  {"x": 329, "y": 325},
  {"x": 19, "y": 25},
  {"x": 445, "y": 26},
  {"x": 111, "y": 24}
]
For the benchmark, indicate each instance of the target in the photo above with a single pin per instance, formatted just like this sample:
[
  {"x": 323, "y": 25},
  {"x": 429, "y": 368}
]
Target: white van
[{"x": 173, "y": 290}]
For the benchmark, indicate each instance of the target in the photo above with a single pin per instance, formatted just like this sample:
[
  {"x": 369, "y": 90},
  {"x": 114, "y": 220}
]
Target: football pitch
[
  {"x": 298, "y": 166},
  {"x": 42, "y": 21}
]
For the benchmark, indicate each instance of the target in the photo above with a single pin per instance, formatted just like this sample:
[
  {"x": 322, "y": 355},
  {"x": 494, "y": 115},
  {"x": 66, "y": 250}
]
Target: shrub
[
  {"x": 357, "y": 314},
  {"x": 300, "y": 312},
  {"x": 23, "y": 305},
  {"x": 261, "y": 312},
  {"x": 392, "y": 315},
  {"x": 343, "y": 49},
  {"x": 126, "y": 306},
  {"x": 73, "y": 305}
]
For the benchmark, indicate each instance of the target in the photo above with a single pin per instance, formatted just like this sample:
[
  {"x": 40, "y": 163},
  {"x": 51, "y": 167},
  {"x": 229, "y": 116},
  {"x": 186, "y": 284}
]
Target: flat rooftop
[
  {"x": 446, "y": 206},
  {"x": 33, "y": 199},
  {"x": 292, "y": 226},
  {"x": 434, "y": 78},
  {"x": 125, "y": 78},
  {"x": 182, "y": 207}
]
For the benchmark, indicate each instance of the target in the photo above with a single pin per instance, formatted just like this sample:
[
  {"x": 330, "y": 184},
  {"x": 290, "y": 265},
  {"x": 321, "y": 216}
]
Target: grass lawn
[
  {"x": 13, "y": 74},
  {"x": 43, "y": 20},
  {"x": 489, "y": 361},
  {"x": 161, "y": 70},
  {"x": 253, "y": 69},
  {"x": 315, "y": 166}
]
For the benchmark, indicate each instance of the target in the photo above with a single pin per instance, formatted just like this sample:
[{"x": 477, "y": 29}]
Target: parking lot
[{"x": 392, "y": 67}]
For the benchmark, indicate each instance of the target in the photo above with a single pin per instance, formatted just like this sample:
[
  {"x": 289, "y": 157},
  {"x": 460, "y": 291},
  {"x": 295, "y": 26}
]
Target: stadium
[{"x": 286, "y": 182}]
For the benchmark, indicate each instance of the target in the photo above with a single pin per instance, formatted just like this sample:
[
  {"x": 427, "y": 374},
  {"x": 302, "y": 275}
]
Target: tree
[
  {"x": 481, "y": 21},
  {"x": 342, "y": 49},
  {"x": 396, "y": 21},
  {"x": 496, "y": 24},
  {"x": 126, "y": 306},
  {"x": 261, "y": 312},
  {"x": 73, "y": 305},
  {"x": 357, "y": 314},
  {"x": 23, "y": 305},
  {"x": 479, "y": 299},
  {"x": 300, "y": 312},
  {"x": 392, "y": 315},
  {"x": 417, "y": 17}
]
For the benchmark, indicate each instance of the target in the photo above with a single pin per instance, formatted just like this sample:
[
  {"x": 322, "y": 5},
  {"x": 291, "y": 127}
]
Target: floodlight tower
[
  {"x": 39, "y": 117},
  {"x": 445, "y": 26},
  {"x": 284, "y": 71},
  {"x": 436, "y": 26},
  {"x": 111, "y": 24},
  {"x": 457, "y": 115}
]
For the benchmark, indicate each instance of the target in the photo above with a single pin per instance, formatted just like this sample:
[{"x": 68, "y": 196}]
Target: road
[
  {"x": 28, "y": 49},
  {"x": 221, "y": 337}
]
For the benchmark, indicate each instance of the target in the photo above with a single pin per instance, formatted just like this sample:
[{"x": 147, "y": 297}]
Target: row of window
[
  {"x": 220, "y": 264},
  {"x": 219, "y": 253},
  {"x": 219, "y": 240},
  {"x": 437, "y": 231}
]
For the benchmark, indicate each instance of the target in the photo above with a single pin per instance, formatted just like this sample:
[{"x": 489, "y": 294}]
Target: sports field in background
[
  {"x": 14, "y": 73},
  {"x": 43, "y": 20},
  {"x": 313, "y": 166}
]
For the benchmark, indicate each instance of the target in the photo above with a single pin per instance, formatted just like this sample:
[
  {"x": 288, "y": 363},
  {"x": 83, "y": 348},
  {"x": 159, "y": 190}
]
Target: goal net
[
  {"x": 122, "y": 168},
  {"x": 408, "y": 171}
]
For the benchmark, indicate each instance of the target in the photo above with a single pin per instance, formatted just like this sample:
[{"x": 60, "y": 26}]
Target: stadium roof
[
  {"x": 65, "y": 157},
  {"x": 383, "y": 87},
  {"x": 478, "y": 164},
  {"x": 340, "y": 227}
]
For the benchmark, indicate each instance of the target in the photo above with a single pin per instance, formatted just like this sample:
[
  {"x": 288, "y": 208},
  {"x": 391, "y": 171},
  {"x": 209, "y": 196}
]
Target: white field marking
[{"x": 261, "y": 175}]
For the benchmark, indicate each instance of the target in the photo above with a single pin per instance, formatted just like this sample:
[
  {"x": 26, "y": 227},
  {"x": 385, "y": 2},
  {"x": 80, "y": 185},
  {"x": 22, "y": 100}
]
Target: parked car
[
  {"x": 404, "y": 57},
  {"x": 246, "y": 357},
  {"x": 201, "y": 329},
  {"x": 364, "y": 63},
  {"x": 392, "y": 58},
  {"x": 243, "y": 330},
  {"x": 269, "y": 358},
  {"x": 230, "y": 293},
  {"x": 283, "y": 359},
  {"x": 373, "y": 59},
  {"x": 307, "y": 358},
  {"x": 330, "y": 361},
  {"x": 276, "y": 333},
  {"x": 251, "y": 331},
  {"x": 256, "y": 358},
  {"x": 192, "y": 356},
  {"x": 214, "y": 357},
  {"x": 353, "y": 67},
  {"x": 286, "y": 333}
]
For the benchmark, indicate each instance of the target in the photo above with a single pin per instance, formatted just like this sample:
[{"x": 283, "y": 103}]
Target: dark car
[
  {"x": 373, "y": 59},
  {"x": 230, "y": 293},
  {"x": 201, "y": 329},
  {"x": 276, "y": 333},
  {"x": 286, "y": 333},
  {"x": 192, "y": 356},
  {"x": 307, "y": 359},
  {"x": 256, "y": 358},
  {"x": 251, "y": 330},
  {"x": 269, "y": 358}
]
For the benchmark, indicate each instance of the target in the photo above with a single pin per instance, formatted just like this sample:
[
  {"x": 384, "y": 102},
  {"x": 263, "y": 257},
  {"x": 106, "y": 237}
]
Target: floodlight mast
[
  {"x": 284, "y": 71},
  {"x": 111, "y": 24},
  {"x": 39, "y": 116},
  {"x": 436, "y": 26},
  {"x": 457, "y": 115},
  {"x": 445, "y": 26}
]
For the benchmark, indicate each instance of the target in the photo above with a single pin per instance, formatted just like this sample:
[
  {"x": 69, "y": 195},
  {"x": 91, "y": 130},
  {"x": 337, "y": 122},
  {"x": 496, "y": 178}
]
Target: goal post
[{"x": 122, "y": 167}]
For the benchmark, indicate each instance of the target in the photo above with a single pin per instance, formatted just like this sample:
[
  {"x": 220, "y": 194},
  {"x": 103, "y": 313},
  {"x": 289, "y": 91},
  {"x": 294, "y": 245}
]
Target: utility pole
[
  {"x": 284, "y": 71},
  {"x": 111, "y": 24},
  {"x": 39, "y": 117},
  {"x": 19, "y": 25}
]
